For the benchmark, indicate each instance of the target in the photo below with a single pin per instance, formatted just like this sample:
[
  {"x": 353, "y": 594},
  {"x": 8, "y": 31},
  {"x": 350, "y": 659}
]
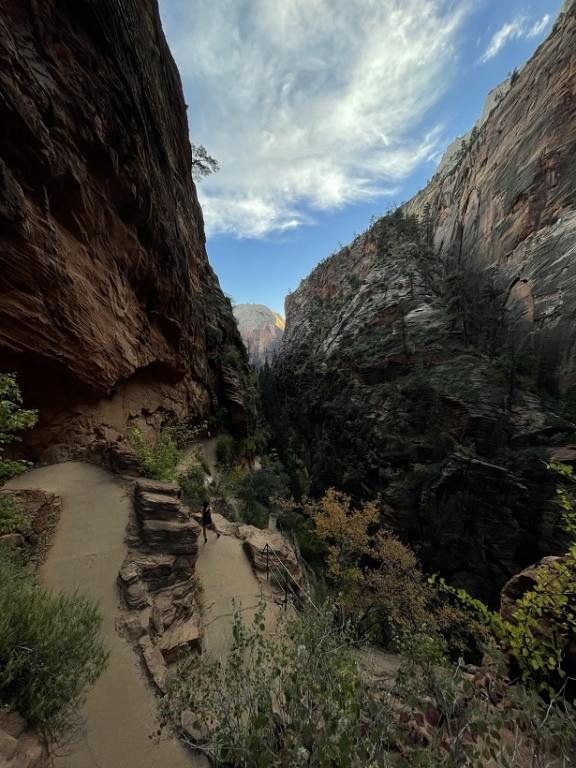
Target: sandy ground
[
  {"x": 227, "y": 579},
  {"x": 119, "y": 717}
]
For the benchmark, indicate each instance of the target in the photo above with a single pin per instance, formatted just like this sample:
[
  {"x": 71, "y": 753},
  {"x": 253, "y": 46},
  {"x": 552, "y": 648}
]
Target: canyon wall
[
  {"x": 109, "y": 310},
  {"x": 431, "y": 362},
  {"x": 508, "y": 202}
]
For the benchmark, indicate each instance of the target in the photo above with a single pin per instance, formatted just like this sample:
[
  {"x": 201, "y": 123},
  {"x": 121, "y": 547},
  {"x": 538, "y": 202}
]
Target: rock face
[
  {"x": 508, "y": 203},
  {"x": 109, "y": 310},
  {"x": 431, "y": 361},
  {"x": 261, "y": 330},
  {"x": 20, "y": 747}
]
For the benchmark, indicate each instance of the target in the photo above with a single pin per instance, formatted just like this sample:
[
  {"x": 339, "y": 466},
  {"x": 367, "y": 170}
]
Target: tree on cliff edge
[{"x": 203, "y": 164}]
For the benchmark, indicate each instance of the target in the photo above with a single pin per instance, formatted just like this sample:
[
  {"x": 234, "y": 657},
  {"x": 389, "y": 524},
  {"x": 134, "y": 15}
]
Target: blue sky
[{"x": 323, "y": 113}]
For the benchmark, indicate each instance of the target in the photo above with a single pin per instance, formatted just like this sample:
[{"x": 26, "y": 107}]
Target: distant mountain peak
[{"x": 261, "y": 329}]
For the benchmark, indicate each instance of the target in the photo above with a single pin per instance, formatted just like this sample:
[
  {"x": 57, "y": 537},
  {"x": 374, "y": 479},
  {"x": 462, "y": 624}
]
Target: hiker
[{"x": 207, "y": 521}]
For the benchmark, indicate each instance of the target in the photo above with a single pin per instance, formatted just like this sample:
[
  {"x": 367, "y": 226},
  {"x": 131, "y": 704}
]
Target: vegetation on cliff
[
  {"x": 410, "y": 382},
  {"x": 311, "y": 695}
]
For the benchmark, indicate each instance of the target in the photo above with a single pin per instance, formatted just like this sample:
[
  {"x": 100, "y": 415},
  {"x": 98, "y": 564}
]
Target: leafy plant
[
  {"x": 12, "y": 518},
  {"x": 193, "y": 484},
  {"x": 158, "y": 458},
  {"x": 13, "y": 419},
  {"x": 544, "y": 618},
  {"x": 50, "y": 649},
  {"x": 302, "y": 698},
  {"x": 225, "y": 450}
]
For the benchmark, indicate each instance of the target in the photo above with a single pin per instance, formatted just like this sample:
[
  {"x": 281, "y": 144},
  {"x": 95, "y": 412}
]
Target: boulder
[
  {"x": 12, "y": 540},
  {"x": 19, "y": 747},
  {"x": 179, "y": 538},
  {"x": 145, "y": 485},
  {"x": 521, "y": 583},
  {"x": 281, "y": 555},
  {"x": 130, "y": 627},
  {"x": 159, "y": 506},
  {"x": 121, "y": 458},
  {"x": 154, "y": 663},
  {"x": 179, "y": 640}
]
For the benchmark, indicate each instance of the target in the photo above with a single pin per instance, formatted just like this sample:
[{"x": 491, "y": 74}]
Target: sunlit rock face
[
  {"x": 509, "y": 203},
  {"x": 432, "y": 361},
  {"x": 109, "y": 310},
  {"x": 261, "y": 330}
]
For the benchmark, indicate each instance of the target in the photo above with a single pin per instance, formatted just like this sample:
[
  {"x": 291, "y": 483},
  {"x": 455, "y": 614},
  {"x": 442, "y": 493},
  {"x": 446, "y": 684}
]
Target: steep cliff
[
  {"x": 508, "y": 203},
  {"x": 261, "y": 330},
  {"x": 430, "y": 361},
  {"x": 109, "y": 310}
]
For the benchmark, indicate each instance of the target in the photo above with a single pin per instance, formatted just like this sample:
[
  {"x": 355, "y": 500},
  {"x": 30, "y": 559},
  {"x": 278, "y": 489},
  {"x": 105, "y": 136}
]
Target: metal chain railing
[{"x": 279, "y": 575}]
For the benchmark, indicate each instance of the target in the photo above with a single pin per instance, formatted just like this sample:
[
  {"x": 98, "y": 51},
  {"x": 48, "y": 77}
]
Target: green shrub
[
  {"x": 302, "y": 698},
  {"x": 544, "y": 620},
  {"x": 12, "y": 518},
  {"x": 225, "y": 450},
  {"x": 193, "y": 484},
  {"x": 158, "y": 458},
  {"x": 259, "y": 490},
  {"x": 50, "y": 649},
  {"x": 13, "y": 419}
]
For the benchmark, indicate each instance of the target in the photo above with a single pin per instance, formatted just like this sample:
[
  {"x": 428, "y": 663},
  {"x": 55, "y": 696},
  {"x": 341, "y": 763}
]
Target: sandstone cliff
[
  {"x": 261, "y": 330},
  {"x": 508, "y": 203},
  {"x": 430, "y": 361},
  {"x": 109, "y": 310}
]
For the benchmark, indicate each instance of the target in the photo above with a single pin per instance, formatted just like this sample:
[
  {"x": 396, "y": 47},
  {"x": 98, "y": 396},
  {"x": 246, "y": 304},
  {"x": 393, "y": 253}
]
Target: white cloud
[
  {"x": 539, "y": 26},
  {"x": 513, "y": 30},
  {"x": 309, "y": 104}
]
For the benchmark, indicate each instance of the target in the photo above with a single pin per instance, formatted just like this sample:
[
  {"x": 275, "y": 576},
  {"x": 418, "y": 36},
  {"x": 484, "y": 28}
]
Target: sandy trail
[
  {"x": 227, "y": 579},
  {"x": 88, "y": 549}
]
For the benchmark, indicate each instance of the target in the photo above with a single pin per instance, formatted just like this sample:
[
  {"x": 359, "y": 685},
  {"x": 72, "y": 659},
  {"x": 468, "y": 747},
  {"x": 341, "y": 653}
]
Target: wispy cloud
[
  {"x": 514, "y": 30},
  {"x": 539, "y": 26},
  {"x": 309, "y": 104}
]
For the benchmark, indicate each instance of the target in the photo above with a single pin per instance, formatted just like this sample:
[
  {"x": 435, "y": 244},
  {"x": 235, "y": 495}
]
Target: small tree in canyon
[{"x": 203, "y": 164}]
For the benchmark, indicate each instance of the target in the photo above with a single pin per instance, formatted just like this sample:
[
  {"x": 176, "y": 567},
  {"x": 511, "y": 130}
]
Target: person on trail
[{"x": 207, "y": 521}]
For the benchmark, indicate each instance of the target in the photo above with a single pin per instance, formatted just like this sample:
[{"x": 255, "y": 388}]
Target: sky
[{"x": 325, "y": 113}]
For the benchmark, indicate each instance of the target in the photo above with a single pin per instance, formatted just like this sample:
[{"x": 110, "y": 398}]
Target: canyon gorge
[
  {"x": 432, "y": 360},
  {"x": 169, "y": 454}
]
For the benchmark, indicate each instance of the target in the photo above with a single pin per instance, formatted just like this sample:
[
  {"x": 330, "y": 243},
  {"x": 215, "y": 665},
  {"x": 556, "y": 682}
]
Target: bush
[
  {"x": 543, "y": 625},
  {"x": 12, "y": 518},
  {"x": 259, "y": 490},
  {"x": 13, "y": 419},
  {"x": 50, "y": 649},
  {"x": 193, "y": 484},
  {"x": 158, "y": 458},
  {"x": 225, "y": 450},
  {"x": 301, "y": 698}
]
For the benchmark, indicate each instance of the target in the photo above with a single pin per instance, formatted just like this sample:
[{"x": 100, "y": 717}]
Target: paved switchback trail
[
  {"x": 227, "y": 578},
  {"x": 86, "y": 554}
]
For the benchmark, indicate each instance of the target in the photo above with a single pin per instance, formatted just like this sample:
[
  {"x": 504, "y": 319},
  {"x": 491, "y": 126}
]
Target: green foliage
[
  {"x": 544, "y": 618},
  {"x": 259, "y": 489},
  {"x": 297, "y": 699},
  {"x": 50, "y": 649},
  {"x": 12, "y": 518},
  {"x": 193, "y": 484},
  {"x": 13, "y": 419},
  {"x": 158, "y": 458},
  {"x": 302, "y": 698},
  {"x": 226, "y": 450},
  {"x": 203, "y": 164}
]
